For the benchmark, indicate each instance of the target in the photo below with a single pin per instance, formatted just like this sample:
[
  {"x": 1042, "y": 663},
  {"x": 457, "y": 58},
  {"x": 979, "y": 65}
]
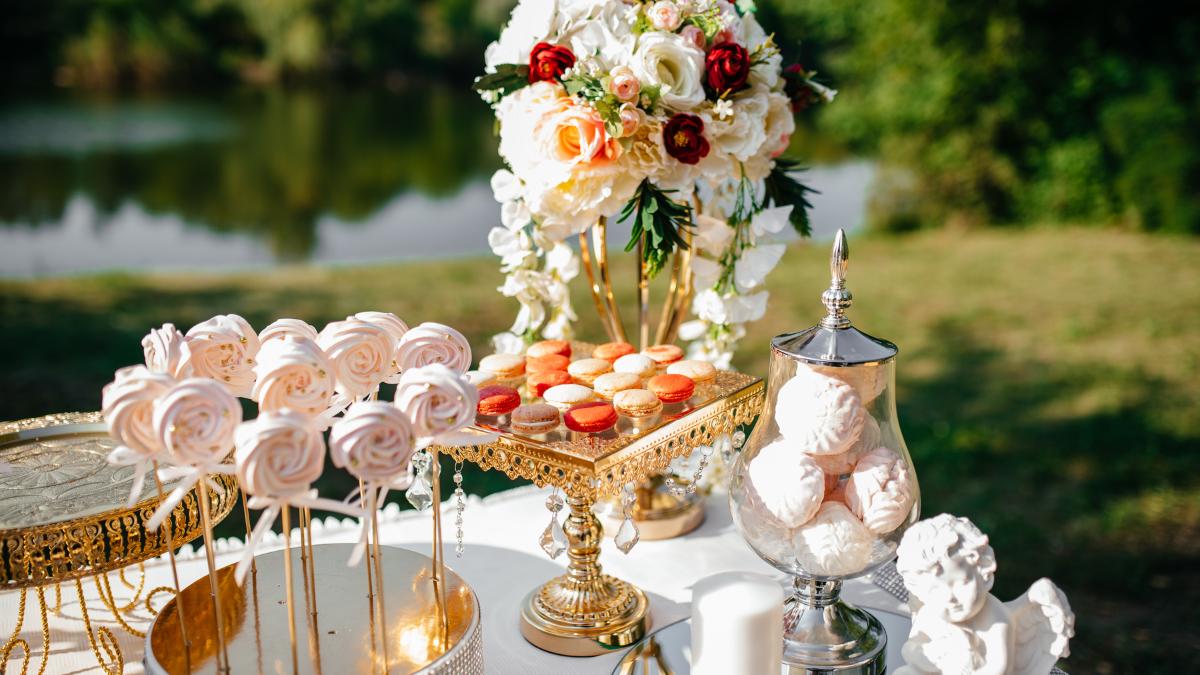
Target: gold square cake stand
[{"x": 585, "y": 612}]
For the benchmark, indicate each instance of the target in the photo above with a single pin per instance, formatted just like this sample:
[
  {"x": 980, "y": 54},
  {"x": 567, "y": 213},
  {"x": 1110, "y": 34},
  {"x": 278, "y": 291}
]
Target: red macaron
[
  {"x": 591, "y": 417},
  {"x": 498, "y": 399},
  {"x": 539, "y": 382}
]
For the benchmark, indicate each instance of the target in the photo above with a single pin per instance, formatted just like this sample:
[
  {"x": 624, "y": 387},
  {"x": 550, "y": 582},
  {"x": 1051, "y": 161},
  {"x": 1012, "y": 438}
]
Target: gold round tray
[
  {"x": 338, "y": 637},
  {"x": 62, "y": 505}
]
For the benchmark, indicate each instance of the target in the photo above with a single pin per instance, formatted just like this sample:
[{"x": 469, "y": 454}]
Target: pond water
[{"x": 254, "y": 178}]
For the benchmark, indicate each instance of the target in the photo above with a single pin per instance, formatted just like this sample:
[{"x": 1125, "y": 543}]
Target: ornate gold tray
[{"x": 62, "y": 513}]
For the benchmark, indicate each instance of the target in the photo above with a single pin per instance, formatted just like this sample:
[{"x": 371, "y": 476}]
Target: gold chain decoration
[
  {"x": 102, "y": 639},
  {"x": 154, "y": 592},
  {"x": 15, "y": 640},
  {"x": 104, "y": 590}
]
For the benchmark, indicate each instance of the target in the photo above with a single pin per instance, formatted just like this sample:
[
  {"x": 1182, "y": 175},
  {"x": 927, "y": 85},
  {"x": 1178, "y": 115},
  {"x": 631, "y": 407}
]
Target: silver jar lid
[{"x": 834, "y": 342}]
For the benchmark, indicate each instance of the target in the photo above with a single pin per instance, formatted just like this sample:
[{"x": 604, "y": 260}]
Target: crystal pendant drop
[
  {"x": 554, "y": 540},
  {"x": 627, "y": 536},
  {"x": 420, "y": 493}
]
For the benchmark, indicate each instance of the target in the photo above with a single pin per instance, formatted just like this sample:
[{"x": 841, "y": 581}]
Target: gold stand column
[{"x": 584, "y": 612}]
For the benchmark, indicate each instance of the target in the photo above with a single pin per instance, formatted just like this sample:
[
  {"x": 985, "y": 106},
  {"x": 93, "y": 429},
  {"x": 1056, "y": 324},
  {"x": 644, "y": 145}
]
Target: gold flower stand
[
  {"x": 585, "y": 612},
  {"x": 63, "y": 520}
]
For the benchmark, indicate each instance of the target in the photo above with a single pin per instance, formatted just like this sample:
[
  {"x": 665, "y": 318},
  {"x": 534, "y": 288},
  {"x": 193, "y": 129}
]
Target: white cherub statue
[{"x": 958, "y": 626}]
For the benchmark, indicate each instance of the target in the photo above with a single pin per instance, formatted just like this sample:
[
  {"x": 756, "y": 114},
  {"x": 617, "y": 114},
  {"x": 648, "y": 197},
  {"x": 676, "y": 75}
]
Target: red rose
[
  {"x": 684, "y": 138},
  {"x": 727, "y": 66},
  {"x": 547, "y": 62}
]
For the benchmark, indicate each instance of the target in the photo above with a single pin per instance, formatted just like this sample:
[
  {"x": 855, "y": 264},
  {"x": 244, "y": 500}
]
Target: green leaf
[
  {"x": 784, "y": 190},
  {"x": 657, "y": 221},
  {"x": 508, "y": 78}
]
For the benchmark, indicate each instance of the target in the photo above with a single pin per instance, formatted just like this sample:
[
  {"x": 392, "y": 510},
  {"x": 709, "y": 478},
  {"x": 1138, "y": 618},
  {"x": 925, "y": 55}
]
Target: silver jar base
[{"x": 823, "y": 634}]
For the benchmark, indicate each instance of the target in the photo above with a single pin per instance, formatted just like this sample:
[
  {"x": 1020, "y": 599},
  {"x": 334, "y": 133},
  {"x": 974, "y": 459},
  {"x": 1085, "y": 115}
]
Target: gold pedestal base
[
  {"x": 590, "y": 634},
  {"x": 658, "y": 513}
]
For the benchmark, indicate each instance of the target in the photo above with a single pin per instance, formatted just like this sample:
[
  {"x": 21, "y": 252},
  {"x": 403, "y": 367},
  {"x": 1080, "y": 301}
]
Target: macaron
[
  {"x": 546, "y": 347},
  {"x": 608, "y": 384},
  {"x": 664, "y": 355},
  {"x": 535, "y": 418},
  {"x": 637, "y": 403},
  {"x": 541, "y": 364},
  {"x": 564, "y": 396},
  {"x": 590, "y": 417},
  {"x": 505, "y": 366},
  {"x": 481, "y": 378},
  {"x": 585, "y": 371},
  {"x": 497, "y": 399},
  {"x": 611, "y": 351},
  {"x": 638, "y": 364},
  {"x": 538, "y": 383},
  {"x": 698, "y": 371},
  {"x": 671, "y": 388}
]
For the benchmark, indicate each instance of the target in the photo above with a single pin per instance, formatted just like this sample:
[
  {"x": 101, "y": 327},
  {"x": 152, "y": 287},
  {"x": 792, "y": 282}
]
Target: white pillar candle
[{"x": 737, "y": 625}]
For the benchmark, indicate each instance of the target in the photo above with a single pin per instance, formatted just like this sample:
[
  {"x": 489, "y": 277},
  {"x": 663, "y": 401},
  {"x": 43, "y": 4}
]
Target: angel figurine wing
[{"x": 1043, "y": 625}]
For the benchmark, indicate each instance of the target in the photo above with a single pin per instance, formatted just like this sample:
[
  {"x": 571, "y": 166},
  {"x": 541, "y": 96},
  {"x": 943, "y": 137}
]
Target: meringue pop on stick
[
  {"x": 293, "y": 373},
  {"x": 222, "y": 349},
  {"x": 434, "y": 343}
]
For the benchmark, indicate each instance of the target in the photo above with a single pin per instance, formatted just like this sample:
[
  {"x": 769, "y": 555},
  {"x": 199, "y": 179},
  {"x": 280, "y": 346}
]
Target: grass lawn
[{"x": 1048, "y": 389}]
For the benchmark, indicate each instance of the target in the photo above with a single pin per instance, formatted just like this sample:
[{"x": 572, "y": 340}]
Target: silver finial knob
[{"x": 837, "y": 298}]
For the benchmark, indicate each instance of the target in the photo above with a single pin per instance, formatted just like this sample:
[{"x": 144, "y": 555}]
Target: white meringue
[
  {"x": 287, "y": 327},
  {"x": 436, "y": 399},
  {"x": 431, "y": 343},
  {"x": 195, "y": 421},
  {"x": 788, "y": 482},
  {"x": 361, "y": 354},
  {"x": 396, "y": 328},
  {"x": 128, "y": 406},
  {"x": 833, "y": 543},
  {"x": 163, "y": 348},
  {"x": 279, "y": 454},
  {"x": 223, "y": 349},
  {"x": 843, "y": 463},
  {"x": 868, "y": 380},
  {"x": 293, "y": 372},
  {"x": 820, "y": 414},
  {"x": 374, "y": 441},
  {"x": 880, "y": 491}
]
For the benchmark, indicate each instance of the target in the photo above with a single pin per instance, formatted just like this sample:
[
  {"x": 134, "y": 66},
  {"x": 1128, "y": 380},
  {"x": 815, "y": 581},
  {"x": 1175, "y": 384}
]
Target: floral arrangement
[
  {"x": 672, "y": 114},
  {"x": 179, "y": 414}
]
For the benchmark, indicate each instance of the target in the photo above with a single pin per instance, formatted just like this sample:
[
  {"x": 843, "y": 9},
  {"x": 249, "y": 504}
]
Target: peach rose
[
  {"x": 664, "y": 15},
  {"x": 575, "y": 134},
  {"x": 631, "y": 119},
  {"x": 624, "y": 84}
]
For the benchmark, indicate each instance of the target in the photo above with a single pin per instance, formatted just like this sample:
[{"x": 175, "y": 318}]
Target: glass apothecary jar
[{"x": 825, "y": 487}]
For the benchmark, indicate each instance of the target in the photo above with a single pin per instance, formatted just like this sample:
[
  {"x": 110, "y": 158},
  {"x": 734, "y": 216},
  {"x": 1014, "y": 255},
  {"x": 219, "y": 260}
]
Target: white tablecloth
[{"x": 502, "y": 563}]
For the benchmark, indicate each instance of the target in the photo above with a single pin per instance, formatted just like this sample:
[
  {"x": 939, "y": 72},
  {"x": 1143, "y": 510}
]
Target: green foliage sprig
[
  {"x": 595, "y": 90},
  {"x": 783, "y": 190},
  {"x": 508, "y": 78},
  {"x": 658, "y": 220},
  {"x": 709, "y": 22}
]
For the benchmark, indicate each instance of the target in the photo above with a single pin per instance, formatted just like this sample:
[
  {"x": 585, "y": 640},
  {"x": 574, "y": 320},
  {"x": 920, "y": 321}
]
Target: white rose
[
  {"x": 530, "y": 23},
  {"x": 279, "y": 454},
  {"x": 741, "y": 134},
  {"x": 755, "y": 264},
  {"x": 671, "y": 62},
  {"x": 284, "y": 327},
  {"x": 434, "y": 343},
  {"x": 195, "y": 421},
  {"x": 293, "y": 373},
  {"x": 436, "y": 399},
  {"x": 664, "y": 15},
  {"x": 374, "y": 441},
  {"x": 163, "y": 348},
  {"x": 223, "y": 349},
  {"x": 780, "y": 124},
  {"x": 361, "y": 354},
  {"x": 128, "y": 406}
]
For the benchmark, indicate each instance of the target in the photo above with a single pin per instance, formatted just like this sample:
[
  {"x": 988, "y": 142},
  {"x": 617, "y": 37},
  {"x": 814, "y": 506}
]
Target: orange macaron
[
  {"x": 590, "y": 417},
  {"x": 541, "y": 364},
  {"x": 539, "y": 382},
  {"x": 611, "y": 351},
  {"x": 664, "y": 355},
  {"x": 498, "y": 399},
  {"x": 671, "y": 388},
  {"x": 546, "y": 347}
]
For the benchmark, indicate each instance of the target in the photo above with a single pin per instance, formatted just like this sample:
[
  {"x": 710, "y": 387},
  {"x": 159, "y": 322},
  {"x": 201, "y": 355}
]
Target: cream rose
[
  {"x": 361, "y": 354},
  {"x": 163, "y": 347},
  {"x": 431, "y": 343},
  {"x": 285, "y": 327},
  {"x": 279, "y": 454},
  {"x": 436, "y": 399},
  {"x": 780, "y": 124},
  {"x": 223, "y": 349},
  {"x": 673, "y": 63},
  {"x": 128, "y": 406},
  {"x": 664, "y": 15},
  {"x": 293, "y": 373},
  {"x": 195, "y": 421},
  {"x": 374, "y": 441}
]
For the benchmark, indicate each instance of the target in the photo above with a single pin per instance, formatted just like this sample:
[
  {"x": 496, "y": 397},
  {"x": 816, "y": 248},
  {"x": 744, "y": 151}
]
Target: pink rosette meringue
[
  {"x": 279, "y": 454},
  {"x": 436, "y": 399},
  {"x": 163, "y": 348},
  {"x": 223, "y": 349},
  {"x": 833, "y": 543},
  {"x": 880, "y": 491},
  {"x": 820, "y": 414},
  {"x": 287, "y": 327},
  {"x": 375, "y": 441},
  {"x": 868, "y": 381},
  {"x": 128, "y": 406},
  {"x": 361, "y": 353},
  {"x": 394, "y": 327},
  {"x": 431, "y": 343},
  {"x": 843, "y": 463},
  {"x": 292, "y": 372},
  {"x": 787, "y": 482},
  {"x": 195, "y": 421}
]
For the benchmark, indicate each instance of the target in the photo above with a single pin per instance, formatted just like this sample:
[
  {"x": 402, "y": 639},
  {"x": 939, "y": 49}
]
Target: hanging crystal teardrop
[
  {"x": 627, "y": 535},
  {"x": 554, "y": 540},
  {"x": 420, "y": 493}
]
